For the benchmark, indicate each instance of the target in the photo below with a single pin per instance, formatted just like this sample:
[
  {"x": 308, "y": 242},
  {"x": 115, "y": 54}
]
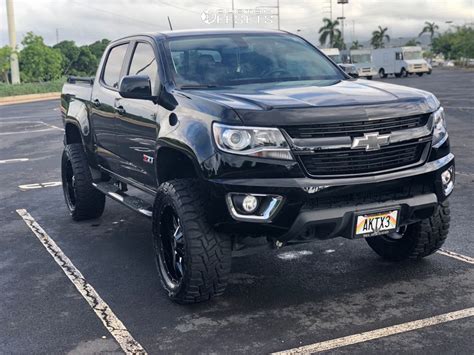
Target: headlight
[
  {"x": 440, "y": 133},
  {"x": 252, "y": 141}
]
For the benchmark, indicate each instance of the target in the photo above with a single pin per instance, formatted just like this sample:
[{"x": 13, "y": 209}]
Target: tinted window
[
  {"x": 144, "y": 62},
  {"x": 114, "y": 65},
  {"x": 246, "y": 59},
  {"x": 398, "y": 56}
]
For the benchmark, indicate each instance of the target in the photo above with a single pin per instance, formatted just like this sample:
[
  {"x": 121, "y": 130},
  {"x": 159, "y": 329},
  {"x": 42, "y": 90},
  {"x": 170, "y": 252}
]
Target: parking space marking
[
  {"x": 17, "y": 160},
  {"x": 452, "y": 254},
  {"x": 39, "y": 185},
  {"x": 50, "y": 127},
  {"x": 116, "y": 328},
  {"x": 380, "y": 333},
  {"x": 32, "y": 131}
]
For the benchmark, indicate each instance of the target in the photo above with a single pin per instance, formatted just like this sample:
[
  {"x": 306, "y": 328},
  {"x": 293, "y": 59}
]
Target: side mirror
[{"x": 136, "y": 87}]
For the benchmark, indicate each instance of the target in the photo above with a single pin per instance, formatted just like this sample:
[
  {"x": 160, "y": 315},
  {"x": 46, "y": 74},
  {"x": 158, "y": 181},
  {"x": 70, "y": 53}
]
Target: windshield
[
  {"x": 412, "y": 55},
  {"x": 336, "y": 58},
  {"x": 221, "y": 60},
  {"x": 361, "y": 58}
]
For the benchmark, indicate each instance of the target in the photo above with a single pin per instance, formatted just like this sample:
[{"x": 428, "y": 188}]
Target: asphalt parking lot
[{"x": 276, "y": 300}]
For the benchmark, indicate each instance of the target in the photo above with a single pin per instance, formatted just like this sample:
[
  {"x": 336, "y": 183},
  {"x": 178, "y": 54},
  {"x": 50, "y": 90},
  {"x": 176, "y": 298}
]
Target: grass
[{"x": 30, "y": 88}]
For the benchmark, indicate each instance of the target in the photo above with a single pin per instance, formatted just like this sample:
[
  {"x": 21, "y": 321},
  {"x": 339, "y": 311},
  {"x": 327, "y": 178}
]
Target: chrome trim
[
  {"x": 329, "y": 182},
  {"x": 342, "y": 142},
  {"x": 265, "y": 217}
]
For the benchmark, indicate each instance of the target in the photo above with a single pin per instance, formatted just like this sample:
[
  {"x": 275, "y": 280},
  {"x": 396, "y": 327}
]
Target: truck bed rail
[{"x": 75, "y": 79}]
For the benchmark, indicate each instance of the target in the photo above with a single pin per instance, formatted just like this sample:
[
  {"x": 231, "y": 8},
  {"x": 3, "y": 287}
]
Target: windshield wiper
[{"x": 197, "y": 86}]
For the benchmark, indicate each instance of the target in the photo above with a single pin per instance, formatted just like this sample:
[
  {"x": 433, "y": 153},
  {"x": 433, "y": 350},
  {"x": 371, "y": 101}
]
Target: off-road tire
[
  {"x": 208, "y": 254},
  {"x": 88, "y": 202},
  {"x": 420, "y": 239}
]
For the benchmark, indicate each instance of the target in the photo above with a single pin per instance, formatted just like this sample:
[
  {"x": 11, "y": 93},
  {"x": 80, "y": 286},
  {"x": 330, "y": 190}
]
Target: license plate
[{"x": 368, "y": 225}]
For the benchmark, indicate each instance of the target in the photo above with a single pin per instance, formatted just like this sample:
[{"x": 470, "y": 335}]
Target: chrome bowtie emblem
[{"x": 370, "y": 141}]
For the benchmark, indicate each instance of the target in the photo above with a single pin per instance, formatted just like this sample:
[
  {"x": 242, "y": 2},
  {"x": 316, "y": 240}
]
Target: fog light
[
  {"x": 249, "y": 203},
  {"x": 447, "y": 180}
]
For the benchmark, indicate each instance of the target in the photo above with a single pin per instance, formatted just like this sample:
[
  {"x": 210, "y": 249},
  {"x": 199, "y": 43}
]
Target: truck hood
[{"x": 274, "y": 103}]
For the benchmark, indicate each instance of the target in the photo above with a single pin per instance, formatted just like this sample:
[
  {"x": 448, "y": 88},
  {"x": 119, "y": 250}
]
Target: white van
[
  {"x": 335, "y": 55},
  {"x": 399, "y": 61},
  {"x": 362, "y": 60}
]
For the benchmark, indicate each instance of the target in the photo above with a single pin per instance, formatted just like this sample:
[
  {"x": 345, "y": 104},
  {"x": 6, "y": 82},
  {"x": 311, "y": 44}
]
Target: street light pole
[
  {"x": 278, "y": 7},
  {"x": 15, "y": 69}
]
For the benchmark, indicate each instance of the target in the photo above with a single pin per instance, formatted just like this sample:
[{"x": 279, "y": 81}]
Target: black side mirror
[{"x": 136, "y": 87}]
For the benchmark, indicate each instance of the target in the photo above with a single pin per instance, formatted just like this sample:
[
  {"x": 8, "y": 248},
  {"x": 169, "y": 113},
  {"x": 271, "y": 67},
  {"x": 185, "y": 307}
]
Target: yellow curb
[{"x": 19, "y": 99}]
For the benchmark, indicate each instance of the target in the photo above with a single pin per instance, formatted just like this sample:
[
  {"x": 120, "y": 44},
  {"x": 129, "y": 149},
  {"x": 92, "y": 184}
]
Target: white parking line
[
  {"x": 380, "y": 333},
  {"x": 18, "y": 160},
  {"x": 452, "y": 254},
  {"x": 39, "y": 185},
  {"x": 101, "y": 309},
  {"x": 28, "y": 132}
]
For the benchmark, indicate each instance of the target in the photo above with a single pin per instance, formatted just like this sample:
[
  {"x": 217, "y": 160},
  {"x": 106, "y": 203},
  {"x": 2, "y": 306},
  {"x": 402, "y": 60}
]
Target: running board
[{"x": 134, "y": 203}]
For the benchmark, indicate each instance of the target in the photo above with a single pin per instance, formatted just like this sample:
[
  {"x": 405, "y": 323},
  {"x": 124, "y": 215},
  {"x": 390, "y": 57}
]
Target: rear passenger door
[
  {"x": 137, "y": 127},
  {"x": 103, "y": 105}
]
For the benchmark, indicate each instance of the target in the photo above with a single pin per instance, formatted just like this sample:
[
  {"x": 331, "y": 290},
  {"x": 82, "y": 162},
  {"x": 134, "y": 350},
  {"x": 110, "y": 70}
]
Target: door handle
[
  {"x": 96, "y": 102},
  {"x": 120, "y": 110}
]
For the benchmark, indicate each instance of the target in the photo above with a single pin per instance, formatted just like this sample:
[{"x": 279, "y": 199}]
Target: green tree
[
  {"x": 70, "y": 54},
  {"x": 455, "y": 44},
  {"x": 378, "y": 37},
  {"x": 329, "y": 31},
  {"x": 38, "y": 62},
  {"x": 339, "y": 42},
  {"x": 98, "y": 47},
  {"x": 356, "y": 45},
  {"x": 86, "y": 63},
  {"x": 412, "y": 43},
  {"x": 5, "y": 53},
  {"x": 431, "y": 28}
]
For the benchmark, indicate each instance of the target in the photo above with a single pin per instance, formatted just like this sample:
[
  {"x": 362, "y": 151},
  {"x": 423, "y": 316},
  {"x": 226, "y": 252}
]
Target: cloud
[{"x": 86, "y": 21}]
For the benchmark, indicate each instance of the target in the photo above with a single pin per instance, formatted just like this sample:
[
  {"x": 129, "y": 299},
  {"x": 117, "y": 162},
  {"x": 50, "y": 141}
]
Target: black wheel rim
[
  {"x": 171, "y": 249},
  {"x": 69, "y": 186}
]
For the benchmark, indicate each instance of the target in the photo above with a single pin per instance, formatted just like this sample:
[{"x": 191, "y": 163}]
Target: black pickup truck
[{"x": 239, "y": 139}]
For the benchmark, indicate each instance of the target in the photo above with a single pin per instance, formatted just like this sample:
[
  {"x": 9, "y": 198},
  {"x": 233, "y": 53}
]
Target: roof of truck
[{"x": 200, "y": 32}]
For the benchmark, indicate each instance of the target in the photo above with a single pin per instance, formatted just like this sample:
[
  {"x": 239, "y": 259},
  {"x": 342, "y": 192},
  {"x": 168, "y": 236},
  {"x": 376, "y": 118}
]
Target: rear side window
[
  {"x": 144, "y": 62},
  {"x": 113, "y": 66}
]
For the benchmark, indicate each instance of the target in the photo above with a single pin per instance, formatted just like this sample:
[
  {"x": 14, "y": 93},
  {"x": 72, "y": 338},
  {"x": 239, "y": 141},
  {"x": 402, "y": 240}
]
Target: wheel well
[
  {"x": 173, "y": 164},
  {"x": 73, "y": 134}
]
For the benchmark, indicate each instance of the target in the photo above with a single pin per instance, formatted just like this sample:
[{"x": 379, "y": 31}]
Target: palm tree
[
  {"x": 356, "y": 45},
  {"x": 412, "y": 43},
  {"x": 329, "y": 31},
  {"x": 431, "y": 28},
  {"x": 379, "y": 36},
  {"x": 339, "y": 42}
]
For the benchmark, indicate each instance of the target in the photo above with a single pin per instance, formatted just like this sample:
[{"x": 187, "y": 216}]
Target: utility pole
[
  {"x": 342, "y": 2},
  {"x": 233, "y": 14},
  {"x": 57, "y": 35},
  {"x": 278, "y": 7},
  {"x": 15, "y": 69}
]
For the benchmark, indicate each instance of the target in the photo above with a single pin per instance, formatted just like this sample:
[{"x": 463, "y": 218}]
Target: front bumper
[
  {"x": 339, "y": 221},
  {"x": 418, "y": 70},
  {"x": 325, "y": 208}
]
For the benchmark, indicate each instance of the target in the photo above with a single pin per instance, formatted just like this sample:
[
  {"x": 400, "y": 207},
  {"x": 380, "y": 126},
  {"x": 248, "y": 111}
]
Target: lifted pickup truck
[{"x": 245, "y": 138}]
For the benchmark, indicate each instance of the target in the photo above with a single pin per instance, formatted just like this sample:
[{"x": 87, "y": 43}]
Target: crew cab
[{"x": 245, "y": 138}]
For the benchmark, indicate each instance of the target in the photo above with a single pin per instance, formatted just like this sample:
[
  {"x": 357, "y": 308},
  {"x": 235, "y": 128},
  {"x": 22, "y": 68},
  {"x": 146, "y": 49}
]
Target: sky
[{"x": 85, "y": 21}]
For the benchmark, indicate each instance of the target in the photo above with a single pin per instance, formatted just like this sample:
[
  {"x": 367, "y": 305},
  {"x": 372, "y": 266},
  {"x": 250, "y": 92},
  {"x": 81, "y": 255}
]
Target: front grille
[
  {"x": 356, "y": 128},
  {"x": 337, "y": 162},
  {"x": 370, "y": 193}
]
